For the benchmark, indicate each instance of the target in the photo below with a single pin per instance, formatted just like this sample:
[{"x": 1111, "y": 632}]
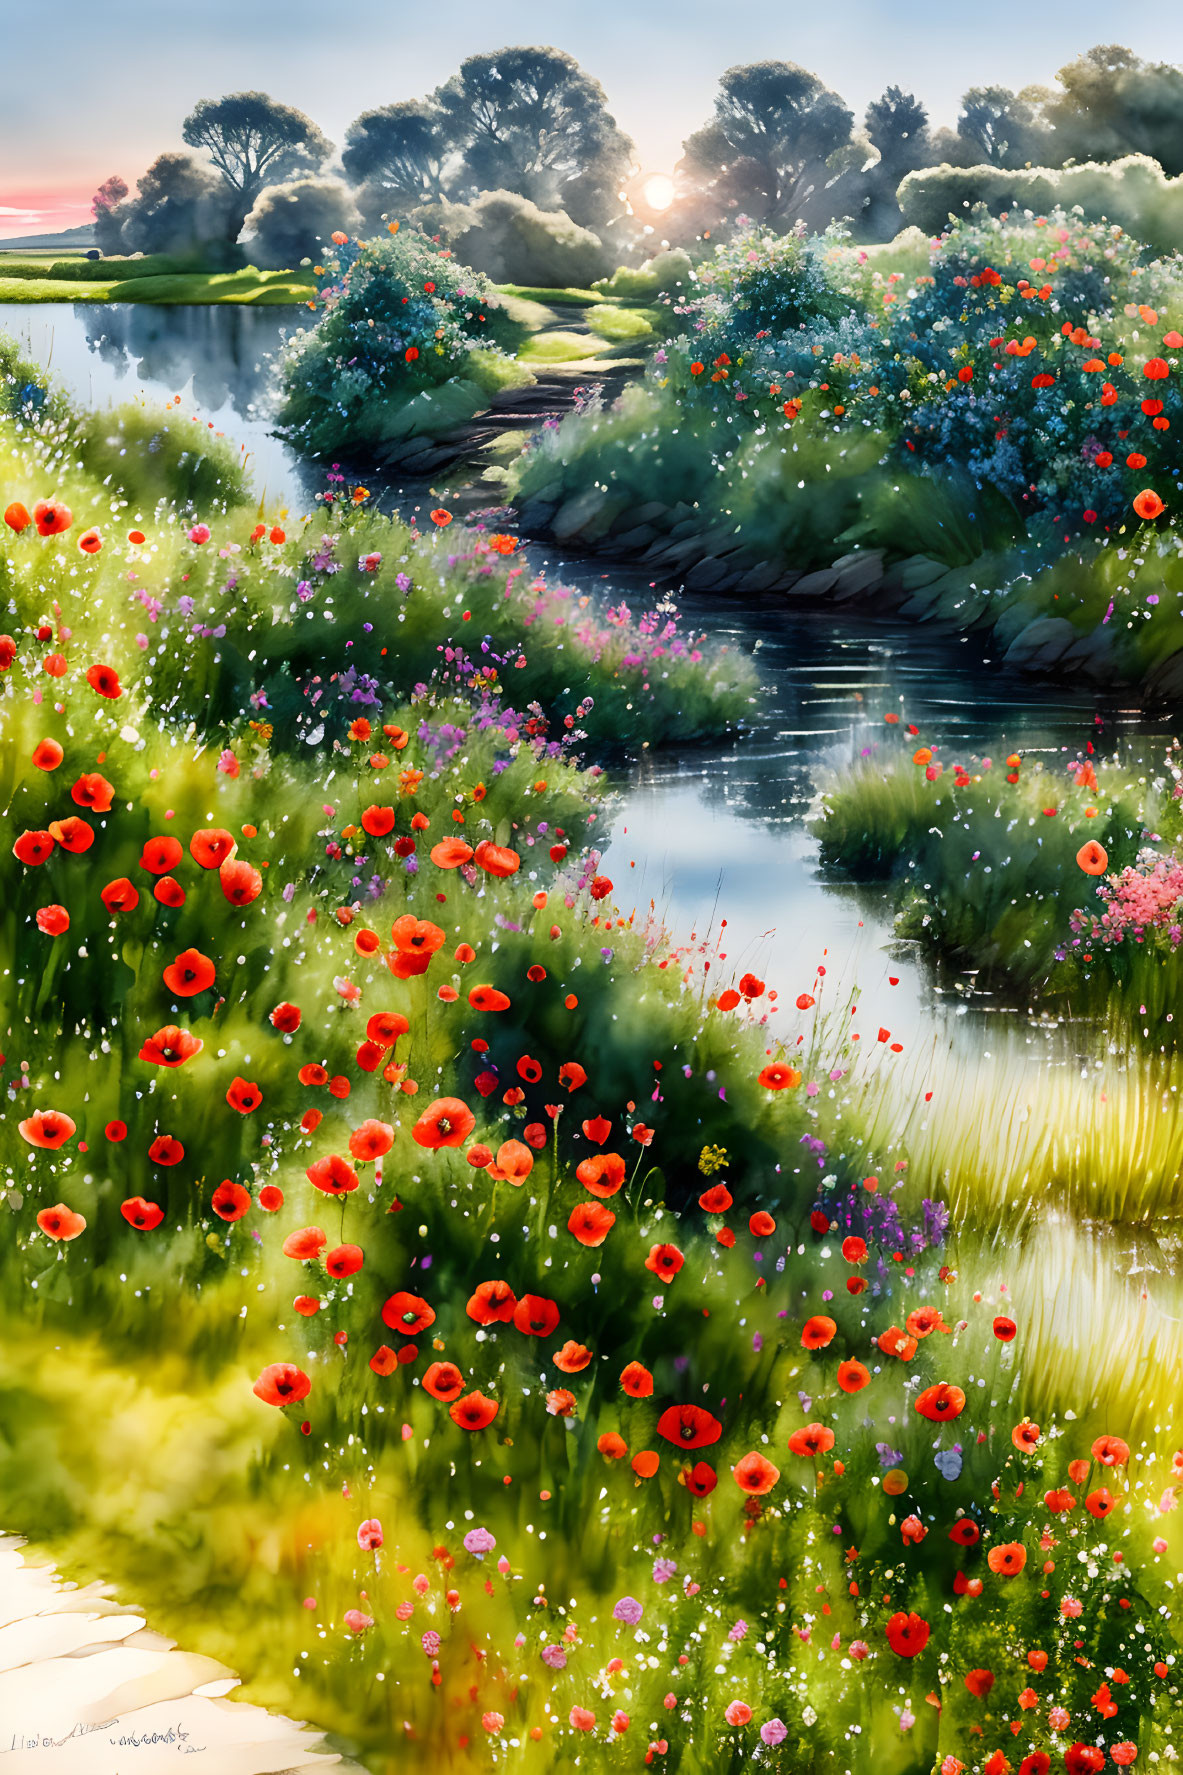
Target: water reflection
[{"x": 717, "y": 832}]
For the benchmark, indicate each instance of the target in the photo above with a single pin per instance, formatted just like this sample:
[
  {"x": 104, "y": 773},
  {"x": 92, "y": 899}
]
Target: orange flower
[
  {"x": 333, "y": 1176},
  {"x": 612, "y": 1446},
  {"x": 812, "y": 1440},
  {"x": 590, "y": 1223},
  {"x": 573, "y": 1357},
  {"x": 602, "y": 1174},
  {"x": 61, "y": 1223},
  {"x": 371, "y": 1140},
  {"x": 755, "y": 1475},
  {"x": 817, "y": 1332},
  {"x": 513, "y": 1164},
  {"x": 496, "y": 859},
  {"x": 779, "y": 1077},
  {"x": 443, "y": 1380},
  {"x": 415, "y": 942},
  {"x": 1093, "y": 858},
  {"x": 853, "y": 1377},
  {"x": 492, "y": 1303},
  {"x": 1008, "y": 1559},
  {"x": 1111, "y": 1451},
  {"x": 47, "y": 1128},
  {"x": 1148, "y": 505},
  {"x": 212, "y": 847},
  {"x": 536, "y": 1315},
  {"x": 636, "y": 1381}
]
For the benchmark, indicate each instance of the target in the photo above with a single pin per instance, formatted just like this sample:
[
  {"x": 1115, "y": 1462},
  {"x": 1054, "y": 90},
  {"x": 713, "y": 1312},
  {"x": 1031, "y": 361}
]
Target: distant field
[{"x": 40, "y": 277}]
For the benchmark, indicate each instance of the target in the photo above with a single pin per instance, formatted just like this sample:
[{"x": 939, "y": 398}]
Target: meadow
[{"x": 501, "y": 1330}]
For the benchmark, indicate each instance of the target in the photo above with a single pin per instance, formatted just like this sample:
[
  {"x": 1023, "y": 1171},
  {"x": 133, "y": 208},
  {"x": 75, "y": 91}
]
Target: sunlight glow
[{"x": 658, "y": 191}]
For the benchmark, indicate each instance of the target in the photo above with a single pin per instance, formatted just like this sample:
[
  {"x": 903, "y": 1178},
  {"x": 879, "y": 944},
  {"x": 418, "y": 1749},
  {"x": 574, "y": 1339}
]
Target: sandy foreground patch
[{"x": 86, "y": 1688}]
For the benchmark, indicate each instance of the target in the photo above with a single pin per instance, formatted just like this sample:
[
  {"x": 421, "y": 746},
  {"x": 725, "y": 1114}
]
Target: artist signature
[{"x": 169, "y": 1735}]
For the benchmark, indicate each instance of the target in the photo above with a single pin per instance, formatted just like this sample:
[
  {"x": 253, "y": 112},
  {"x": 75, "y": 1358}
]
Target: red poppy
[
  {"x": 443, "y": 1380},
  {"x": 446, "y": 1122},
  {"x": 240, "y": 882},
  {"x": 1148, "y": 505},
  {"x": 536, "y": 1315},
  {"x": 304, "y": 1244},
  {"x": 47, "y": 1128},
  {"x": 271, "y": 1197},
  {"x": 979, "y": 1683},
  {"x": 1008, "y": 1559},
  {"x": 473, "y": 1412},
  {"x": 371, "y": 1140},
  {"x": 170, "y": 1046},
  {"x": 104, "y": 681},
  {"x": 378, "y": 821},
  {"x": 116, "y": 1131},
  {"x": 479, "y": 1155},
  {"x": 636, "y": 1381},
  {"x": 191, "y": 973},
  {"x": 286, "y": 1018},
  {"x": 1004, "y": 1328},
  {"x": 385, "y": 1027},
  {"x": 333, "y": 1175},
  {"x": 811, "y": 1440},
  {"x": 852, "y": 1376},
  {"x": 590, "y": 1223},
  {"x": 1059, "y": 1500},
  {"x": 415, "y": 942},
  {"x": 492, "y": 1303},
  {"x": 160, "y": 855},
  {"x": 17, "y": 517},
  {"x": 52, "y": 517},
  {"x": 345, "y": 1260},
  {"x": 513, "y": 1164},
  {"x": 761, "y": 1225},
  {"x": 488, "y": 998},
  {"x": 72, "y": 833},
  {"x": 47, "y": 755},
  {"x": 384, "y": 1360},
  {"x": 572, "y": 1075},
  {"x": 1111, "y": 1451},
  {"x": 894, "y": 1342},
  {"x": 496, "y": 859},
  {"x": 144, "y": 1216},
  {"x": 211, "y": 846},
  {"x": 94, "y": 792},
  {"x": 282, "y": 1383},
  {"x": 854, "y": 1250},
  {"x": 818, "y": 1332},
  {"x": 602, "y": 1174},
  {"x": 716, "y": 1200},
  {"x": 32, "y": 848},
  {"x": 53, "y": 920},
  {"x": 907, "y": 1635},
  {"x": 1083, "y": 1759},
  {"x": 779, "y": 1077},
  {"x": 61, "y": 1224},
  {"x": 407, "y": 1313},
  {"x": 755, "y": 1475},
  {"x": 664, "y": 1261},
  {"x": 230, "y": 1200},
  {"x": 941, "y": 1402},
  {"x": 597, "y": 1129},
  {"x": 1037, "y": 1763},
  {"x": 244, "y": 1096},
  {"x": 689, "y": 1426},
  {"x": 965, "y": 1532},
  {"x": 166, "y": 1149},
  {"x": 612, "y": 1446},
  {"x": 701, "y": 1479},
  {"x": 573, "y": 1358}
]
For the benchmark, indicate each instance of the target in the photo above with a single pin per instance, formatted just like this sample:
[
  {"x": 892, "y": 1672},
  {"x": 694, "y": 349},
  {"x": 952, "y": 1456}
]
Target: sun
[{"x": 658, "y": 191}]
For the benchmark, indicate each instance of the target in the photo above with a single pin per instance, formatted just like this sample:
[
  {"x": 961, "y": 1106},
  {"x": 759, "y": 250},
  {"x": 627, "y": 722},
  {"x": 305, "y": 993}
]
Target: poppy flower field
[{"x": 513, "y": 1337}]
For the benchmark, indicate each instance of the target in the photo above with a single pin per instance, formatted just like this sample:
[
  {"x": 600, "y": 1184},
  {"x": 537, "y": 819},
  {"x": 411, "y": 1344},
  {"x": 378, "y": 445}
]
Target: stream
[{"x": 711, "y": 833}]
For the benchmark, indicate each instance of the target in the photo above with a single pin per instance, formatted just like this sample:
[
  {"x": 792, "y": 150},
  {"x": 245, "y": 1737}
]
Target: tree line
[{"x": 780, "y": 147}]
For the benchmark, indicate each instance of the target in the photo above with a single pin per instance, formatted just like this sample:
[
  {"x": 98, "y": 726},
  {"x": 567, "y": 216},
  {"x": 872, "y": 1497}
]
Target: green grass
[
  {"x": 621, "y": 324},
  {"x": 89, "y": 281}
]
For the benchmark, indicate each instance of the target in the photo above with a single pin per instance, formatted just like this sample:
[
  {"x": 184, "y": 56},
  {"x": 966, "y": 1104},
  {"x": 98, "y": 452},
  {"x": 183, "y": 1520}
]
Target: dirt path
[{"x": 86, "y": 1688}]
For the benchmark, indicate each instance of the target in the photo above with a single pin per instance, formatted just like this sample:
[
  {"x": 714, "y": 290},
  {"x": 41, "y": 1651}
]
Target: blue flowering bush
[{"x": 407, "y": 343}]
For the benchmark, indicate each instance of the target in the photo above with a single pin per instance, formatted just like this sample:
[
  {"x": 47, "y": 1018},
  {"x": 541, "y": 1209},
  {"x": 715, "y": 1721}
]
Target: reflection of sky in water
[{"x": 717, "y": 832}]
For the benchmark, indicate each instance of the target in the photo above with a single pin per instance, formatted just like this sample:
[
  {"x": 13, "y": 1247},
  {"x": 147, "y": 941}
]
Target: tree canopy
[
  {"x": 766, "y": 150},
  {"x": 254, "y": 141},
  {"x": 401, "y": 149}
]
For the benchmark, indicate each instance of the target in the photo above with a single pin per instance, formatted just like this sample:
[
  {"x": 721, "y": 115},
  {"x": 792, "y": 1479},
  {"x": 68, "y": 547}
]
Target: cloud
[{"x": 25, "y": 215}]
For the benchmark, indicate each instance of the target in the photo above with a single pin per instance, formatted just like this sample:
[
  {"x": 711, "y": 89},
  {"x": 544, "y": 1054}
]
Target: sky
[{"x": 124, "y": 73}]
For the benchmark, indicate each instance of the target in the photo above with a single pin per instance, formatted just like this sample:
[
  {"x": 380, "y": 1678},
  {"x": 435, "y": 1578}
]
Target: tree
[
  {"x": 897, "y": 127},
  {"x": 531, "y": 120},
  {"x": 399, "y": 153},
  {"x": 181, "y": 207},
  {"x": 291, "y": 221},
  {"x": 1007, "y": 128},
  {"x": 767, "y": 148},
  {"x": 1114, "y": 104},
  {"x": 253, "y": 141},
  {"x": 103, "y": 206}
]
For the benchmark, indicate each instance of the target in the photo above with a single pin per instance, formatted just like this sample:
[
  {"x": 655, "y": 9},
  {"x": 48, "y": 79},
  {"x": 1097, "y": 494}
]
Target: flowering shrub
[
  {"x": 1142, "y": 904},
  {"x": 407, "y": 343}
]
